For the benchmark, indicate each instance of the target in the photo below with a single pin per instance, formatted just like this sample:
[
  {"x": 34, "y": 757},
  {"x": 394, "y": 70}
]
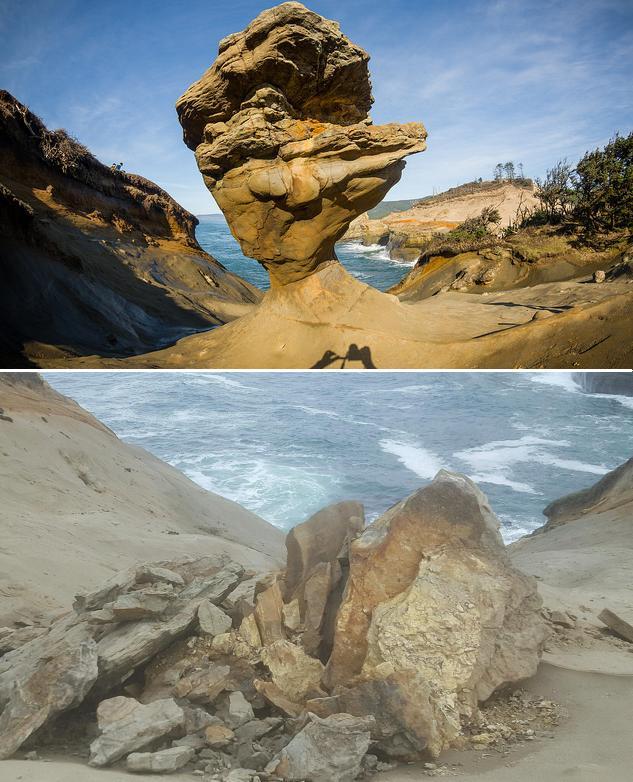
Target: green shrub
[{"x": 604, "y": 186}]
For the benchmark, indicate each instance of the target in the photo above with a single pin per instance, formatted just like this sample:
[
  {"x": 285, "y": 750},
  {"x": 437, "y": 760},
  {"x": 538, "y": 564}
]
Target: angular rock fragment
[
  {"x": 218, "y": 736},
  {"x": 45, "y": 686},
  {"x": 269, "y": 614},
  {"x": 322, "y": 538},
  {"x": 295, "y": 673},
  {"x": 249, "y": 631},
  {"x": 236, "y": 710},
  {"x": 325, "y": 750},
  {"x": 127, "y": 725},
  {"x": 279, "y": 124},
  {"x": 212, "y": 620},
  {"x": 163, "y": 762},
  {"x": 317, "y": 570},
  {"x": 617, "y": 624},
  {"x": 152, "y": 574},
  {"x": 203, "y": 686},
  {"x": 137, "y": 605},
  {"x": 271, "y": 692}
]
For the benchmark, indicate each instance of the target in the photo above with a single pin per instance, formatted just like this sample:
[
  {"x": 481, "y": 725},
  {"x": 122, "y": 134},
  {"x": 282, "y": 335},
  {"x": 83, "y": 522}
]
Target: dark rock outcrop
[
  {"x": 93, "y": 259},
  {"x": 619, "y": 383}
]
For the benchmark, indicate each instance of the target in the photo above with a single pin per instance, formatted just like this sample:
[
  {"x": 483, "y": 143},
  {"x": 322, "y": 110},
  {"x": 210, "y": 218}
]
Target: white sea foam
[
  {"x": 625, "y": 401},
  {"x": 422, "y": 462},
  {"x": 378, "y": 251},
  {"x": 211, "y": 378},
  {"x": 267, "y": 487},
  {"x": 565, "y": 381},
  {"x": 493, "y": 462},
  {"x": 560, "y": 379}
]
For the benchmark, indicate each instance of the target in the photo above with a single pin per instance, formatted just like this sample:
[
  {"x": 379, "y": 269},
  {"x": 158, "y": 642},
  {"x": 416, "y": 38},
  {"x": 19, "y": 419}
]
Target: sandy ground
[
  {"x": 592, "y": 745},
  {"x": 330, "y": 320},
  {"x": 78, "y": 504}
]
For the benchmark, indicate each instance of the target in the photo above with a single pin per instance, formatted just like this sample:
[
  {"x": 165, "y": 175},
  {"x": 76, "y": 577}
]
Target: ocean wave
[
  {"x": 209, "y": 378},
  {"x": 559, "y": 379},
  {"x": 272, "y": 490},
  {"x": 373, "y": 251},
  {"x": 625, "y": 401},
  {"x": 424, "y": 463}
]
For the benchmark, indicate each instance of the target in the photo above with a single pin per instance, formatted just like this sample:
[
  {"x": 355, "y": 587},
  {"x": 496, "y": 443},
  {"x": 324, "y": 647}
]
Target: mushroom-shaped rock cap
[
  {"x": 320, "y": 72},
  {"x": 282, "y": 138}
]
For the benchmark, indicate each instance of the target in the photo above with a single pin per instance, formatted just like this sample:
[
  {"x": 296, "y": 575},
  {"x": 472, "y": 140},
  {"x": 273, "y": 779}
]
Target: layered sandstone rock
[
  {"x": 280, "y": 127},
  {"x": 316, "y": 572},
  {"x": 94, "y": 259},
  {"x": 432, "y": 596}
]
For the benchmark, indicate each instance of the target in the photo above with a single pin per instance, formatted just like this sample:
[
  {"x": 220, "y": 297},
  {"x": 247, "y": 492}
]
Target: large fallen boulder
[
  {"x": 280, "y": 127},
  {"x": 432, "y": 593}
]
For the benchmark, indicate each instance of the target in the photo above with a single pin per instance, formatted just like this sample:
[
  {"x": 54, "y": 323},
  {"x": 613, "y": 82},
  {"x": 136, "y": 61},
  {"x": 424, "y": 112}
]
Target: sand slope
[
  {"x": 78, "y": 504},
  {"x": 330, "y": 320}
]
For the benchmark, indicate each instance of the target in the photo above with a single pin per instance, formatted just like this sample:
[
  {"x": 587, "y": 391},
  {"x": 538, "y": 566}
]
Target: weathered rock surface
[
  {"x": 212, "y": 620},
  {"x": 432, "y": 592},
  {"x": 163, "y": 762},
  {"x": 94, "y": 258},
  {"x": 55, "y": 671},
  {"x": 296, "y": 674},
  {"x": 316, "y": 572},
  {"x": 52, "y": 677},
  {"x": 326, "y": 750},
  {"x": 127, "y": 725},
  {"x": 279, "y": 124},
  {"x": 613, "y": 490},
  {"x": 236, "y": 710}
]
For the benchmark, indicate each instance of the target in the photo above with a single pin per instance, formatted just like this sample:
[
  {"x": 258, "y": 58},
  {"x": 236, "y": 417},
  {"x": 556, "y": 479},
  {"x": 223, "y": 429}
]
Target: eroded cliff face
[
  {"x": 280, "y": 127},
  {"x": 94, "y": 259}
]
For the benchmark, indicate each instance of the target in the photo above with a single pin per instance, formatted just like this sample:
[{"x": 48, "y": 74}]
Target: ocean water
[
  {"x": 286, "y": 444},
  {"x": 370, "y": 264}
]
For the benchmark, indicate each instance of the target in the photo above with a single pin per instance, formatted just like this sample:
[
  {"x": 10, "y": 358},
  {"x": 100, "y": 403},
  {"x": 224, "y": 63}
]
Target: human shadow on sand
[{"x": 354, "y": 353}]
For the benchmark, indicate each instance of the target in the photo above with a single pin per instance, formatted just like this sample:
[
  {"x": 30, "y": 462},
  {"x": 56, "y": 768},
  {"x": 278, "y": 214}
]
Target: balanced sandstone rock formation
[{"x": 280, "y": 127}]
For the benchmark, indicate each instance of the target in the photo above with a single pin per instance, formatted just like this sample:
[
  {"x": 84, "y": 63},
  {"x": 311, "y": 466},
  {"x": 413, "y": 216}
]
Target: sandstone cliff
[
  {"x": 583, "y": 559},
  {"x": 94, "y": 259},
  {"x": 78, "y": 504},
  {"x": 405, "y": 232}
]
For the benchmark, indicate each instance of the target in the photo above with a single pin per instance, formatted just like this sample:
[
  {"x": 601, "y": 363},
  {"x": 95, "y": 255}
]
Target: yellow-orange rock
[
  {"x": 432, "y": 594},
  {"x": 280, "y": 127}
]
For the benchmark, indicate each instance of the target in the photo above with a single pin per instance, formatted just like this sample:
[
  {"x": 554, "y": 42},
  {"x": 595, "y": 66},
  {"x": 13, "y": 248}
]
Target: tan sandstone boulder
[
  {"x": 280, "y": 127},
  {"x": 432, "y": 595}
]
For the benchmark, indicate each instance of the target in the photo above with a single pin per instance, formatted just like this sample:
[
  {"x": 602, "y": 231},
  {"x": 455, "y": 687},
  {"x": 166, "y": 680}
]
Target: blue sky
[{"x": 519, "y": 80}]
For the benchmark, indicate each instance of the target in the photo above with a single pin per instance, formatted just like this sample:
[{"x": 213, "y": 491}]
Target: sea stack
[{"x": 281, "y": 130}]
